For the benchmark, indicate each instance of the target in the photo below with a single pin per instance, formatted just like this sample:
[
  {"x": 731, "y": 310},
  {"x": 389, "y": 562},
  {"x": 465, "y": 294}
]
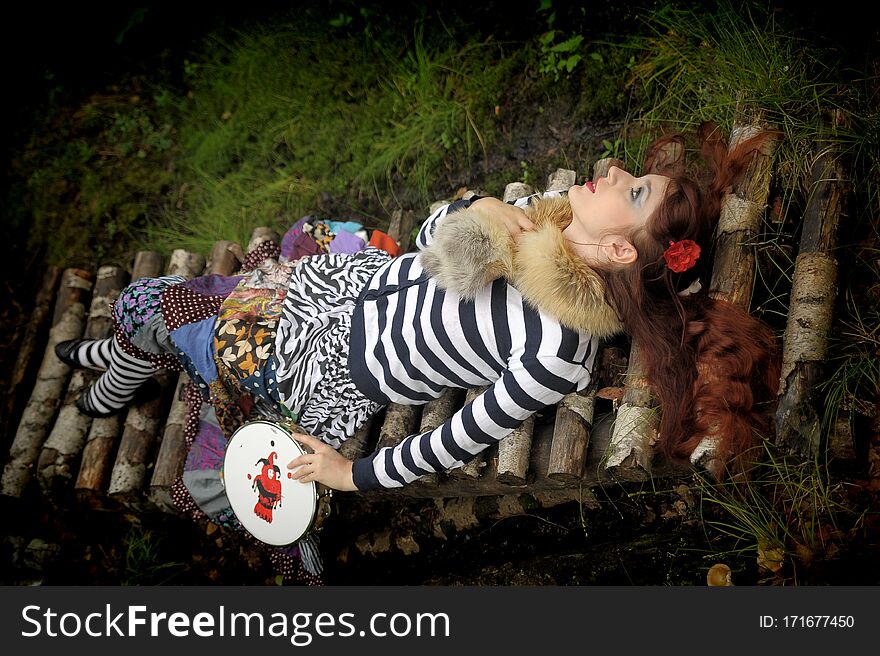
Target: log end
[
  {"x": 566, "y": 477},
  {"x": 511, "y": 478}
]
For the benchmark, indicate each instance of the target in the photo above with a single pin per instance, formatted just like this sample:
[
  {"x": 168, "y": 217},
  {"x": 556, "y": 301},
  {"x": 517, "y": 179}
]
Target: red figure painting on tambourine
[{"x": 268, "y": 487}]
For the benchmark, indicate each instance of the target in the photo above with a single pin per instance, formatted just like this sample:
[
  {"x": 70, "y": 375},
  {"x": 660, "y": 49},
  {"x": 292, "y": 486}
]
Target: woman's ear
[{"x": 620, "y": 250}]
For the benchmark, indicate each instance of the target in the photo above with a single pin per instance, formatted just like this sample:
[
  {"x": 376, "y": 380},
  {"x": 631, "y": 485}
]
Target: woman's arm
[
  {"x": 491, "y": 416},
  {"x": 513, "y": 217}
]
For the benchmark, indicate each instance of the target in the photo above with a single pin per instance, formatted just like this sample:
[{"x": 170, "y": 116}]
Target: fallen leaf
[
  {"x": 610, "y": 393},
  {"x": 770, "y": 558}
]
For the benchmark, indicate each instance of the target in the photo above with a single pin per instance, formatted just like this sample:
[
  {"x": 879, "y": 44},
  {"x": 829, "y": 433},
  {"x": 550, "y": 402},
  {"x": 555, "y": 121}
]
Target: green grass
[
  {"x": 789, "y": 514},
  {"x": 853, "y": 383},
  {"x": 717, "y": 66},
  {"x": 271, "y": 121},
  {"x": 281, "y": 119},
  {"x": 143, "y": 561},
  {"x": 90, "y": 176}
]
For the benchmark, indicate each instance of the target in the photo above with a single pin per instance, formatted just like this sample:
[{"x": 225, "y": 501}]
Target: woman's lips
[{"x": 589, "y": 185}]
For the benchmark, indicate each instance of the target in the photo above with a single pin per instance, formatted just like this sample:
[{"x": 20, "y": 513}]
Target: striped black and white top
[{"x": 411, "y": 340}]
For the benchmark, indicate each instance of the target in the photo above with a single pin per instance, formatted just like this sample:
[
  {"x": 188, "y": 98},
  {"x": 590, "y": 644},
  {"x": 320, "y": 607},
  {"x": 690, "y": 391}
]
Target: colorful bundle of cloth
[{"x": 224, "y": 328}]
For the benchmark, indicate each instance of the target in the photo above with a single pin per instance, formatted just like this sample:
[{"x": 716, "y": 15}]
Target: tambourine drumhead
[{"x": 273, "y": 507}]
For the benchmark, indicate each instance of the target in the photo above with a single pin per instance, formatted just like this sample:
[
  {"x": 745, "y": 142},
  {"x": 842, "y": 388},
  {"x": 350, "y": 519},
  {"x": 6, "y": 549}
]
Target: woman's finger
[
  {"x": 306, "y": 474},
  {"x": 312, "y": 442},
  {"x": 299, "y": 460},
  {"x": 309, "y": 477}
]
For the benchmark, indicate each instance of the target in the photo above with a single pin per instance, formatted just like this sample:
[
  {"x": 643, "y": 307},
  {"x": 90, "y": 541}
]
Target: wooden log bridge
[{"x": 130, "y": 462}]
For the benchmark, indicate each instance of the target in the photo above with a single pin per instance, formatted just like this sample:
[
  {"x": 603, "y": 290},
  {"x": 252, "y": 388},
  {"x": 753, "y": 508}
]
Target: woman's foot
[
  {"x": 85, "y": 353},
  {"x": 148, "y": 391}
]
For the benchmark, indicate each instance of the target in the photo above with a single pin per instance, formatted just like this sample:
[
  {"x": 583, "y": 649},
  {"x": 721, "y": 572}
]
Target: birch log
[
  {"x": 171, "y": 455},
  {"x": 130, "y": 474},
  {"x": 186, "y": 264},
  {"x": 136, "y": 448},
  {"x": 571, "y": 436},
  {"x": 514, "y": 450},
  {"x": 67, "y": 323},
  {"x": 434, "y": 413},
  {"x": 811, "y": 309},
  {"x": 400, "y": 422},
  {"x": 635, "y": 426},
  {"x": 104, "y": 433},
  {"x": 516, "y": 190},
  {"x": 60, "y": 456},
  {"x": 602, "y": 166},
  {"x": 22, "y": 373},
  {"x": 172, "y": 450},
  {"x": 400, "y": 228},
  {"x": 224, "y": 259},
  {"x": 514, "y": 453},
  {"x": 574, "y": 413},
  {"x": 733, "y": 268},
  {"x": 561, "y": 180},
  {"x": 733, "y": 272},
  {"x": 358, "y": 445},
  {"x": 474, "y": 467}
]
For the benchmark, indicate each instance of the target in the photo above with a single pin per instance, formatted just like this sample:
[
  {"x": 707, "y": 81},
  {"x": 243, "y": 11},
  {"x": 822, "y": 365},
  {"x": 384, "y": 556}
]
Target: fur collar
[{"x": 470, "y": 249}]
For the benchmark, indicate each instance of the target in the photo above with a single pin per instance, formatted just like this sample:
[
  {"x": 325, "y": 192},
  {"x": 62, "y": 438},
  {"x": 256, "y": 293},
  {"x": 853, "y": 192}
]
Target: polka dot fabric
[
  {"x": 134, "y": 307},
  {"x": 181, "y": 306}
]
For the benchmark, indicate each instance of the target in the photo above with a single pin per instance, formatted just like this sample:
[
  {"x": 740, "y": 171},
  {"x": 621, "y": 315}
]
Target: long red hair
[{"x": 709, "y": 363}]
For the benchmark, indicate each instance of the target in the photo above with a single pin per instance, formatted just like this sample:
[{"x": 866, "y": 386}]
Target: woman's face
[{"x": 604, "y": 215}]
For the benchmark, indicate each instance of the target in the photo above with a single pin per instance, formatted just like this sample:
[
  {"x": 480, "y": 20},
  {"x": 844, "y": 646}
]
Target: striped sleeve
[
  {"x": 525, "y": 201},
  {"x": 521, "y": 391},
  {"x": 426, "y": 232}
]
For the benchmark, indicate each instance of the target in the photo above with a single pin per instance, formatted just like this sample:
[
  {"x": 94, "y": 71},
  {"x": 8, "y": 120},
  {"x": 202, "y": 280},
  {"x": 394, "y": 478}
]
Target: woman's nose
[{"x": 616, "y": 174}]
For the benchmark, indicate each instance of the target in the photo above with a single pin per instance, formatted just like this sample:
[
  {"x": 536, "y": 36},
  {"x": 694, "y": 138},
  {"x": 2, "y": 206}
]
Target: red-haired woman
[
  {"x": 627, "y": 253},
  {"x": 512, "y": 297}
]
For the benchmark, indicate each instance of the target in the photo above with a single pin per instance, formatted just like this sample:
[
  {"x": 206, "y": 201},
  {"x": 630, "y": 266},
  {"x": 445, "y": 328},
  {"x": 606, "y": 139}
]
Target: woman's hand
[
  {"x": 513, "y": 218},
  {"x": 324, "y": 465}
]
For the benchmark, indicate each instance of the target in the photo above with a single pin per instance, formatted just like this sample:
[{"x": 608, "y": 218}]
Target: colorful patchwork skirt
[{"x": 271, "y": 342}]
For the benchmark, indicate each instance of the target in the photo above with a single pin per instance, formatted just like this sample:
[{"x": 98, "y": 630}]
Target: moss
[{"x": 528, "y": 502}]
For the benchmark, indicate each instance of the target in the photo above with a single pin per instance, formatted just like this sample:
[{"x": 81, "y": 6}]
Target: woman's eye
[{"x": 635, "y": 192}]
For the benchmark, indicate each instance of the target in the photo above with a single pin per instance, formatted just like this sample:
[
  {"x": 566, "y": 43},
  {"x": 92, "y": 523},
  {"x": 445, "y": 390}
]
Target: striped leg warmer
[
  {"x": 117, "y": 385},
  {"x": 94, "y": 354}
]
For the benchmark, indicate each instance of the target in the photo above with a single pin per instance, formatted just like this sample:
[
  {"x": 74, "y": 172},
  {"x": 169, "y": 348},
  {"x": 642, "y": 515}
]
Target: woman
[
  {"x": 627, "y": 248},
  {"x": 512, "y": 297}
]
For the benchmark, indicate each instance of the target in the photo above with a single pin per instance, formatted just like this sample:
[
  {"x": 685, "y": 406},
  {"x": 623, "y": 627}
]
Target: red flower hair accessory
[{"x": 682, "y": 255}]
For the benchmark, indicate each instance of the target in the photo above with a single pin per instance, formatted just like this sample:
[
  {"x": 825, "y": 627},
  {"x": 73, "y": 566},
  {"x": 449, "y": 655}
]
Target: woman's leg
[
  {"x": 88, "y": 353},
  {"x": 134, "y": 353},
  {"x": 118, "y": 385}
]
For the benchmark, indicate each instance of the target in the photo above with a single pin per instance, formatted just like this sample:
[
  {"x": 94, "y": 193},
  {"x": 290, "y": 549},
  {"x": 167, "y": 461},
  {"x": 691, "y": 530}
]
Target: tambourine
[{"x": 270, "y": 505}]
